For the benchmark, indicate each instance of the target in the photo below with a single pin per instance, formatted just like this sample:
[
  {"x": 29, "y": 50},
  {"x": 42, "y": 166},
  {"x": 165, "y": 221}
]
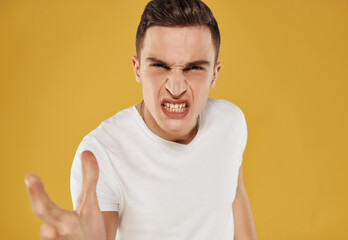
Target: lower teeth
[{"x": 177, "y": 110}]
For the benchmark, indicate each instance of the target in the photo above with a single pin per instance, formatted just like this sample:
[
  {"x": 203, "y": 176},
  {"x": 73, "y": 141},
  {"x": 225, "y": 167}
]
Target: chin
[{"x": 175, "y": 126}]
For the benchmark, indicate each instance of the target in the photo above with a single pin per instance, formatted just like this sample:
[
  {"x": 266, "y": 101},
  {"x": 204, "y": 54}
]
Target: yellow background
[{"x": 65, "y": 66}]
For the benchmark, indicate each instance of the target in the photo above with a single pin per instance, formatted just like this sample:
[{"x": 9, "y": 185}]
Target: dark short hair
[{"x": 177, "y": 13}]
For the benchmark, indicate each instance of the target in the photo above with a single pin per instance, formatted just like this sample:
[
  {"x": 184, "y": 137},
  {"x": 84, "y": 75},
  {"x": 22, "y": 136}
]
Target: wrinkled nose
[{"x": 176, "y": 83}]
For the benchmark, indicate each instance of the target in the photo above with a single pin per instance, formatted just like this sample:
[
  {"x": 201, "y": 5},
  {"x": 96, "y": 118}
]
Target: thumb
[{"x": 90, "y": 171}]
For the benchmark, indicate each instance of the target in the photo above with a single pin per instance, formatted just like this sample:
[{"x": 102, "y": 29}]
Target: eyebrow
[{"x": 190, "y": 64}]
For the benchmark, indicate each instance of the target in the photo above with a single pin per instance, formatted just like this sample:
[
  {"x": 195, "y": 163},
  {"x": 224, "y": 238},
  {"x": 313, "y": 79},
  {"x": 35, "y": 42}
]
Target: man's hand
[{"x": 86, "y": 223}]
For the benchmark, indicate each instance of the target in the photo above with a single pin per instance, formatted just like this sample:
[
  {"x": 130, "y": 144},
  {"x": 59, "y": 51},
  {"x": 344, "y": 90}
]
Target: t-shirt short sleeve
[
  {"x": 107, "y": 193},
  {"x": 244, "y": 136}
]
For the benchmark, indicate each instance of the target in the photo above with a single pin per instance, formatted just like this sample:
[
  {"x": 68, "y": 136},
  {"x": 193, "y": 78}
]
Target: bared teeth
[{"x": 177, "y": 108}]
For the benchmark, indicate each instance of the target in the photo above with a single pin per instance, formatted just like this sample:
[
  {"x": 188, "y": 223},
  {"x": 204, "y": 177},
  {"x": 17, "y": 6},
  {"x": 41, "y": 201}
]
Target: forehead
[{"x": 178, "y": 45}]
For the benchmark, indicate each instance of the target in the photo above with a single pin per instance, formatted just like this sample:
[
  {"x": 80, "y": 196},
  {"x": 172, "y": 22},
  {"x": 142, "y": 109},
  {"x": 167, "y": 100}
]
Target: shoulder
[
  {"x": 221, "y": 108},
  {"x": 121, "y": 120},
  {"x": 112, "y": 130},
  {"x": 107, "y": 138},
  {"x": 226, "y": 120}
]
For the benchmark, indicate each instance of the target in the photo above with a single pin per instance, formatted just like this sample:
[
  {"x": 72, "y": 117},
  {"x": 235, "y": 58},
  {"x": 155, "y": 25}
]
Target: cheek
[
  {"x": 155, "y": 76},
  {"x": 200, "y": 84},
  {"x": 152, "y": 83}
]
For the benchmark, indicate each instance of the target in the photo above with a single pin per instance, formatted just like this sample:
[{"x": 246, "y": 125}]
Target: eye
[
  {"x": 195, "y": 68},
  {"x": 159, "y": 65}
]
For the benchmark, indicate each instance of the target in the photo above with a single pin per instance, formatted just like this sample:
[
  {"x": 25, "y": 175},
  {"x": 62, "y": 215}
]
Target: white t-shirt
[{"x": 162, "y": 189}]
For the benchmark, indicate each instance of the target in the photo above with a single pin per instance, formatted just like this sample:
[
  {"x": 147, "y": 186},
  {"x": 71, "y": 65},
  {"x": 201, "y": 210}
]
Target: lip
[{"x": 175, "y": 114}]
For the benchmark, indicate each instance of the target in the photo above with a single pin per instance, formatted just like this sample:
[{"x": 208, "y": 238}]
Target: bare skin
[
  {"x": 244, "y": 225},
  {"x": 86, "y": 222},
  {"x": 177, "y": 64}
]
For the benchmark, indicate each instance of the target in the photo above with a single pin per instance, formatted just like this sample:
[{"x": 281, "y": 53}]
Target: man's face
[{"x": 176, "y": 70}]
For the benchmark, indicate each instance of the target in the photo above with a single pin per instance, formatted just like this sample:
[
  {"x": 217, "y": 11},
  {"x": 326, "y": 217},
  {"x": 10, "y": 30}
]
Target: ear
[
  {"x": 215, "y": 74},
  {"x": 136, "y": 68}
]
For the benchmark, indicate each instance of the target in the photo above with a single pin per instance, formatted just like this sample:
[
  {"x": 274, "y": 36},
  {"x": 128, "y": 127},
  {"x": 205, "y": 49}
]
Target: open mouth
[{"x": 175, "y": 108}]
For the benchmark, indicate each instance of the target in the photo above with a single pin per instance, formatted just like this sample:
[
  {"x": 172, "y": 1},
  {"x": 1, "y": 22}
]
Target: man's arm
[
  {"x": 244, "y": 226},
  {"x": 111, "y": 223}
]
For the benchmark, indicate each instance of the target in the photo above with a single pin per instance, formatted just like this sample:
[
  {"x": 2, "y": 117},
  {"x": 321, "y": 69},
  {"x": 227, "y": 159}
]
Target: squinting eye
[
  {"x": 158, "y": 65},
  {"x": 196, "y": 68}
]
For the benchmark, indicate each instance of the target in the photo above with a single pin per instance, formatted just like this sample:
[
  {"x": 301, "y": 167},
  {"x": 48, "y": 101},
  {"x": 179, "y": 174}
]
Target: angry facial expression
[{"x": 176, "y": 69}]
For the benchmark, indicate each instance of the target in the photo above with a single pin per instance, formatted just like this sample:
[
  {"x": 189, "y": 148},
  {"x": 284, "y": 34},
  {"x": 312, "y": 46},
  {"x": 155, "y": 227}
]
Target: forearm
[
  {"x": 244, "y": 226},
  {"x": 111, "y": 223}
]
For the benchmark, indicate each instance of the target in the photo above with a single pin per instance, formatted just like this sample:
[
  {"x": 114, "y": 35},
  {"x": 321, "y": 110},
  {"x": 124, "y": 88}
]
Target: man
[{"x": 169, "y": 167}]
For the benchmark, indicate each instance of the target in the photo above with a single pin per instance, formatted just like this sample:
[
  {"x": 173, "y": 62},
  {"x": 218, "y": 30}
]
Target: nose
[{"x": 176, "y": 82}]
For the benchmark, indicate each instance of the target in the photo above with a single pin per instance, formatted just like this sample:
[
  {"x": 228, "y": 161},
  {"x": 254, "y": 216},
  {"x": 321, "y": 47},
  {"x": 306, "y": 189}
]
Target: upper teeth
[
  {"x": 178, "y": 108},
  {"x": 171, "y": 105}
]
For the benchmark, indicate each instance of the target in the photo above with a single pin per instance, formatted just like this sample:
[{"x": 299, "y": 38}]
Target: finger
[
  {"x": 48, "y": 232},
  {"x": 90, "y": 172},
  {"x": 41, "y": 204}
]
